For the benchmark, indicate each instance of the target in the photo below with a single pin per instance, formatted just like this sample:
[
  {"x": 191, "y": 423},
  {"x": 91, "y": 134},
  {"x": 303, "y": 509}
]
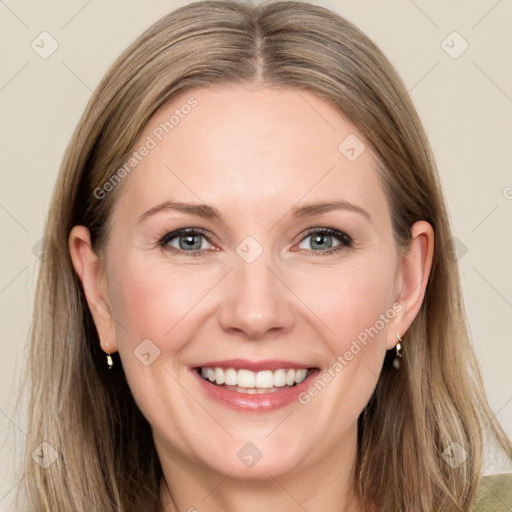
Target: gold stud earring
[
  {"x": 398, "y": 348},
  {"x": 110, "y": 363}
]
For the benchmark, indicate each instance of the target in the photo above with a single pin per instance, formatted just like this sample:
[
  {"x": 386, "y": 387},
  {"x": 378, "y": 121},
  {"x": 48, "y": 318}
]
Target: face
[{"x": 246, "y": 238}]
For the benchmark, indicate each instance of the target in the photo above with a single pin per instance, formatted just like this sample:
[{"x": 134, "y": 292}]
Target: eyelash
[
  {"x": 184, "y": 231},
  {"x": 344, "y": 239}
]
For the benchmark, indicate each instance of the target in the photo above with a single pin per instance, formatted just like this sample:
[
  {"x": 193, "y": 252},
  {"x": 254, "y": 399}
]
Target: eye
[
  {"x": 325, "y": 240},
  {"x": 195, "y": 241},
  {"x": 192, "y": 240}
]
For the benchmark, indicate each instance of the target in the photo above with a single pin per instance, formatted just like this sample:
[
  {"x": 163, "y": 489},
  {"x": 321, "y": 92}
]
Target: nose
[{"x": 256, "y": 301}]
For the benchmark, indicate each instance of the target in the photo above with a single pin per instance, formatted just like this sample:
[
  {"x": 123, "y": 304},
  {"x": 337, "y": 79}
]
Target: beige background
[{"x": 465, "y": 104}]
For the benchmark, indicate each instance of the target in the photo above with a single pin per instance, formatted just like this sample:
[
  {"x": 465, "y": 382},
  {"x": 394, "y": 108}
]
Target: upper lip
[{"x": 255, "y": 366}]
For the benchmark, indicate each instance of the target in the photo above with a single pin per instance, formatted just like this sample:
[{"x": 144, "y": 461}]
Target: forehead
[{"x": 248, "y": 146}]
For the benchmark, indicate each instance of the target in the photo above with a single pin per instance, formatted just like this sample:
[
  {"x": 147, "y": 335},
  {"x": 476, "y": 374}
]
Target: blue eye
[
  {"x": 189, "y": 240},
  {"x": 196, "y": 241},
  {"x": 325, "y": 240}
]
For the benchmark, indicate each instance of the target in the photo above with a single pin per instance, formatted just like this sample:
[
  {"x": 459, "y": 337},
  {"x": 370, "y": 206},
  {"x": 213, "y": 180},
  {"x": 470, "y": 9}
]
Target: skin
[{"x": 254, "y": 153}]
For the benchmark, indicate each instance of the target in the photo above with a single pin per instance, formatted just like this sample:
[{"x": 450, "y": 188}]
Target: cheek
[
  {"x": 351, "y": 297},
  {"x": 367, "y": 295},
  {"x": 150, "y": 300},
  {"x": 355, "y": 303},
  {"x": 141, "y": 306},
  {"x": 156, "y": 303}
]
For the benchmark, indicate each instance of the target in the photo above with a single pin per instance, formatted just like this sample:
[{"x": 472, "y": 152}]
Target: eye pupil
[
  {"x": 321, "y": 242},
  {"x": 190, "y": 242}
]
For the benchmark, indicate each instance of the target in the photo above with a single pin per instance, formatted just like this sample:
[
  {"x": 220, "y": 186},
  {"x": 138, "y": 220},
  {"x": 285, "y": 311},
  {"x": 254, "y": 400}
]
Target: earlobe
[
  {"x": 415, "y": 268},
  {"x": 87, "y": 265}
]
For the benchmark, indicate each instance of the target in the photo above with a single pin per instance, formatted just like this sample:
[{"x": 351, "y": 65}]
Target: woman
[{"x": 250, "y": 296}]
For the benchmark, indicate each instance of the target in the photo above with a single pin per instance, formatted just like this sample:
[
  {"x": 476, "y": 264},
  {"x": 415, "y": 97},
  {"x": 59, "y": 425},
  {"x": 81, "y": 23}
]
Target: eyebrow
[
  {"x": 317, "y": 208},
  {"x": 210, "y": 212},
  {"x": 202, "y": 210}
]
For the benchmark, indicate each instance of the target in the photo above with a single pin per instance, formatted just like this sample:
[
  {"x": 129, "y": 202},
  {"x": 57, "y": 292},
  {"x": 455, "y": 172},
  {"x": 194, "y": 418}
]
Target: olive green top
[{"x": 494, "y": 494}]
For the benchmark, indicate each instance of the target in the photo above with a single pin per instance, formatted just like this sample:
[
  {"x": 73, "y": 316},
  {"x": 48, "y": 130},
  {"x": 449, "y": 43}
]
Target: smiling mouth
[{"x": 249, "y": 382}]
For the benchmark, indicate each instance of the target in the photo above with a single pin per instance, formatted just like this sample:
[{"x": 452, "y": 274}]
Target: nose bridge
[{"x": 256, "y": 301}]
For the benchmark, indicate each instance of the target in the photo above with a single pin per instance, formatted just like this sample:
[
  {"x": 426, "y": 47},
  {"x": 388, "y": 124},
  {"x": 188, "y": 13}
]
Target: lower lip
[{"x": 264, "y": 402}]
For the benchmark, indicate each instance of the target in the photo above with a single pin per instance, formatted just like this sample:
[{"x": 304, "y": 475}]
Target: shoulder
[{"x": 494, "y": 494}]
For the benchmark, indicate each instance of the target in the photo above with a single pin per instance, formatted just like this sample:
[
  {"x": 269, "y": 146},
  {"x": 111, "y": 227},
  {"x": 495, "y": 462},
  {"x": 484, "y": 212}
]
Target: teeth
[
  {"x": 263, "y": 379},
  {"x": 247, "y": 379},
  {"x": 219, "y": 376},
  {"x": 230, "y": 376}
]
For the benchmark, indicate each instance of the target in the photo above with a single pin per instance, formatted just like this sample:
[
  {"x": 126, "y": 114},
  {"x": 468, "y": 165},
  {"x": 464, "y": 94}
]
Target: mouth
[
  {"x": 250, "y": 382},
  {"x": 254, "y": 386}
]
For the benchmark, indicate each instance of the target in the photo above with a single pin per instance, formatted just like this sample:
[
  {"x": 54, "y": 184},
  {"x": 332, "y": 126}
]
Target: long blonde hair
[{"x": 106, "y": 459}]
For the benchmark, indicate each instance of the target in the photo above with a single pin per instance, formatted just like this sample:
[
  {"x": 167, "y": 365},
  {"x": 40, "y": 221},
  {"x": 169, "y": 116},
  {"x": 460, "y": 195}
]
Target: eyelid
[
  {"x": 331, "y": 231},
  {"x": 170, "y": 235},
  {"x": 344, "y": 238}
]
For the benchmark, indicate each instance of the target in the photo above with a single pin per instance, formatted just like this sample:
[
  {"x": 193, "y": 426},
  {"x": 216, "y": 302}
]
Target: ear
[
  {"x": 90, "y": 270},
  {"x": 414, "y": 271}
]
